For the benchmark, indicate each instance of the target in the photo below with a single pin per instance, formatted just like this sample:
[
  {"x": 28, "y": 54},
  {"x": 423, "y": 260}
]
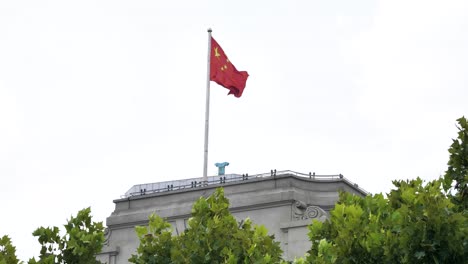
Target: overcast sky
[{"x": 96, "y": 96}]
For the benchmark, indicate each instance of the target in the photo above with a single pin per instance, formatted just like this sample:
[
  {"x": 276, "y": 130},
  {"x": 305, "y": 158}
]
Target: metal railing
[{"x": 157, "y": 187}]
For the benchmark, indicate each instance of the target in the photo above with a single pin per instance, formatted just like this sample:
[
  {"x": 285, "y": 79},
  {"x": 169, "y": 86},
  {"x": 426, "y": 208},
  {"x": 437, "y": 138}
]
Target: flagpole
[{"x": 207, "y": 112}]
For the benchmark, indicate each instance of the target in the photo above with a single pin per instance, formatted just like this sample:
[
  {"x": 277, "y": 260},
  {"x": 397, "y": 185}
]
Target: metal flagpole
[{"x": 207, "y": 111}]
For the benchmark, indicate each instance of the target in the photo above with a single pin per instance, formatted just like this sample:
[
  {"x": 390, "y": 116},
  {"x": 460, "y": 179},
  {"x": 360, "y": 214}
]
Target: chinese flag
[{"x": 224, "y": 73}]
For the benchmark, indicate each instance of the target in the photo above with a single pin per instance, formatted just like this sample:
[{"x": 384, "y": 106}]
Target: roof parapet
[{"x": 157, "y": 187}]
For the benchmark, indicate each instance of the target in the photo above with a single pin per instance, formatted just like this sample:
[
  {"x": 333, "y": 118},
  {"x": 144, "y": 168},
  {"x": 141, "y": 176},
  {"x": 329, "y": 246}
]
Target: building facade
[{"x": 285, "y": 202}]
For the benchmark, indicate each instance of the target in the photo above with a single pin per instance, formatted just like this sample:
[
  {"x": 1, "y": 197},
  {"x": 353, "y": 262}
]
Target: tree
[
  {"x": 213, "y": 236},
  {"x": 7, "y": 251},
  {"x": 82, "y": 241},
  {"x": 416, "y": 223},
  {"x": 457, "y": 172}
]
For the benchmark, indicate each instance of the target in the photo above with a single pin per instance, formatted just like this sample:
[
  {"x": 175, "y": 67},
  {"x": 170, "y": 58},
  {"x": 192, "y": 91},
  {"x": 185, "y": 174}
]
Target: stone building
[{"x": 285, "y": 202}]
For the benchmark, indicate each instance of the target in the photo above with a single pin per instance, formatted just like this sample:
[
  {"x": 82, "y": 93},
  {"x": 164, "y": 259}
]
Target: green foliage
[
  {"x": 416, "y": 223},
  {"x": 7, "y": 251},
  {"x": 82, "y": 241},
  {"x": 155, "y": 242},
  {"x": 457, "y": 172},
  {"x": 213, "y": 236}
]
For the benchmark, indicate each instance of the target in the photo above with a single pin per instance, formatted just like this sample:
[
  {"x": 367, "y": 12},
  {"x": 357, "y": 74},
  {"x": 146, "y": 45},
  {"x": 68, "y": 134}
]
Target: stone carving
[
  {"x": 311, "y": 212},
  {"x": 302, "y": 211},
  {"x": 300, "y": 205},
  {"x": 107, "y": 234}
]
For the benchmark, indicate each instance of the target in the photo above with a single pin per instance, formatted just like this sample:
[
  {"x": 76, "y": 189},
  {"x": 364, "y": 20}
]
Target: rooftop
[{"x": 167, "y": 186}]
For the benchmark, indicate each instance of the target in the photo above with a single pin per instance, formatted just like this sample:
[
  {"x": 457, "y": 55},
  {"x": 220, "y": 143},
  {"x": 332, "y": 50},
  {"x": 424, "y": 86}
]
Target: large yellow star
[{"x": 217, "y": 55}]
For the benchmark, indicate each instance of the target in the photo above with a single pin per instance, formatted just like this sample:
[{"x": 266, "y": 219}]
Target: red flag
[{"x": 224, "y": 73}]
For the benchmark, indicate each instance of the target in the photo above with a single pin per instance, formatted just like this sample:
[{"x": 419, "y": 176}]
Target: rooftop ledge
[{"x": 167, "y": 186}]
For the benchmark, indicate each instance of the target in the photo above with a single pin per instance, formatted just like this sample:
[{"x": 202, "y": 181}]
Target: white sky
[{"x": 96, "y": 96}]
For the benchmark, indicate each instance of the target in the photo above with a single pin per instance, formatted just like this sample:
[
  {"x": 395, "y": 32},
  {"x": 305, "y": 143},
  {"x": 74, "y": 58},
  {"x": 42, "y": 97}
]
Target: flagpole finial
[{"x": 209, "y": 30}]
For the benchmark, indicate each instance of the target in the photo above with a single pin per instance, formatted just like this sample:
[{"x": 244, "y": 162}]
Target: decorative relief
[
  {"x": 311, "y": 212},
  {"x": 107, "y": 234},
  {"x": 302, "y": 211}
]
